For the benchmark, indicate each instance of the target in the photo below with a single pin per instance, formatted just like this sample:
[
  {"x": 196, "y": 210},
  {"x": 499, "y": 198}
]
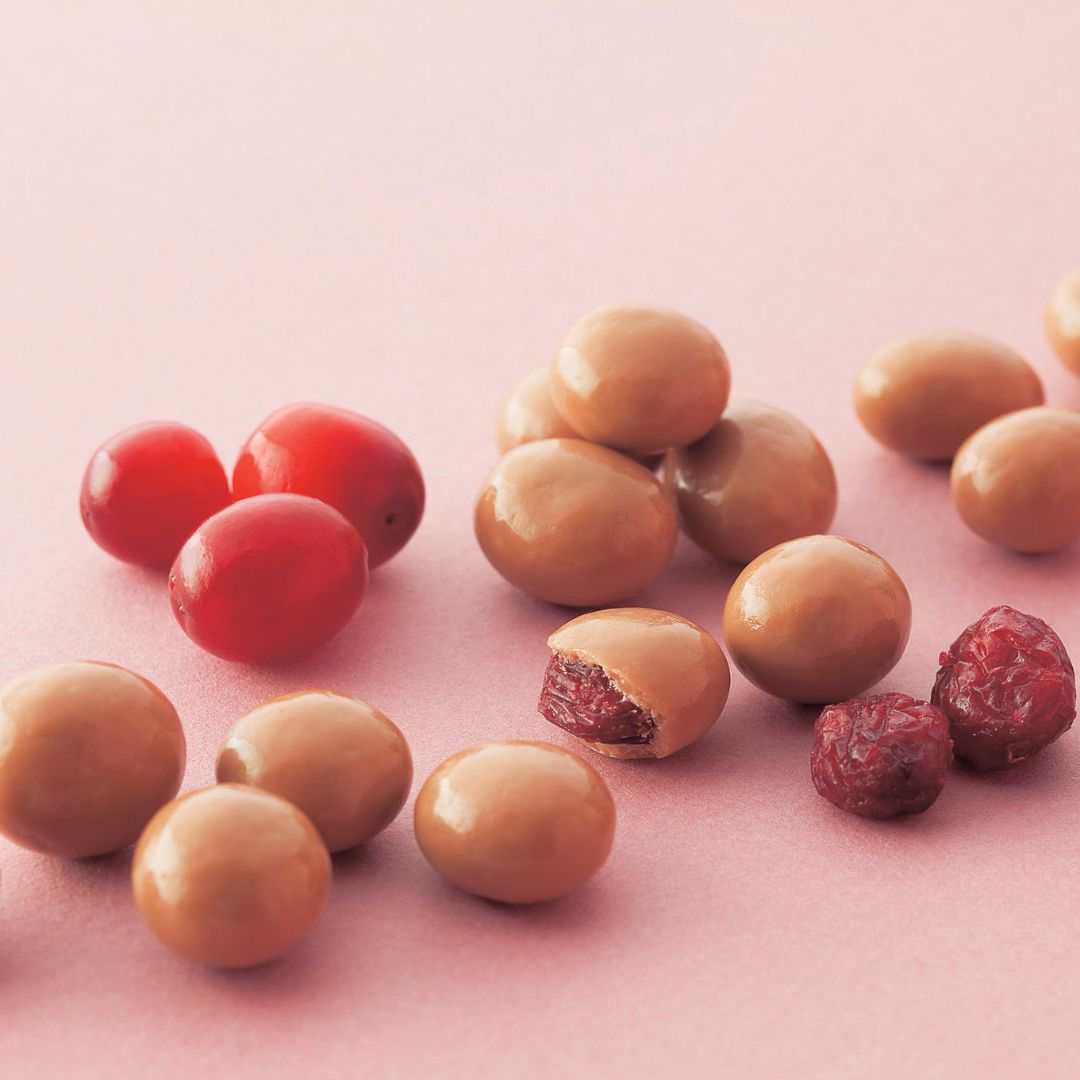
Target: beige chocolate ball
[
  {"x": 230, "y": 876},
  {"x": 518, "y": 822},
  {"x": 338, "y": 759},
  {"x": 1062, "y": 320},
  {"x": 817, "y": 620},
  {"x": 640, "y": 379},
  {"x": 758, "y": 478},
  {"x": 1016, "y": 481},
  {"x": 924, "y": 394},
  {"x": 88, "y": 753},
  {"x": 529, "y": 413},
  {"x": 575, "y": 523},
  {"x": 634, "y": 682}
]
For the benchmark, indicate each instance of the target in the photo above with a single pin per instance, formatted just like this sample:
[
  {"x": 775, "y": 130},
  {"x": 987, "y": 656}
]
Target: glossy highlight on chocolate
[
  {"x": 519, "y": 822},
  {"x": 574, "y": 523},
  {"x": 817, "y": 620},
  {"x": 924, "y": 394}
]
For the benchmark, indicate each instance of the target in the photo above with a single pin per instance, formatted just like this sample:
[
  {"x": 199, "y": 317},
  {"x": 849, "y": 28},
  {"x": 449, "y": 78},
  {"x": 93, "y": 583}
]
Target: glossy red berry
[
  {"x": 1007, "y": 686},
  {"x": 348, "y": 461},
  {"x": 269, "y": 578},
  {"x": 147, "y": 489},
  {"x": 881, "y": 756}
]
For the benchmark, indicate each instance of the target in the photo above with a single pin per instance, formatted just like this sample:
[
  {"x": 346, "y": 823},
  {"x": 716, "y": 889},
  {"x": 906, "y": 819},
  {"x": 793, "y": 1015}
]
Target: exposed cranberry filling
[{"x": 581, "y": 699}]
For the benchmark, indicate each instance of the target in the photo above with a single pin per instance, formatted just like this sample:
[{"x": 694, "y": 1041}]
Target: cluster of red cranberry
[
  {"x": 277, "y": 565},
  {"x": 1005, "y": 690}
]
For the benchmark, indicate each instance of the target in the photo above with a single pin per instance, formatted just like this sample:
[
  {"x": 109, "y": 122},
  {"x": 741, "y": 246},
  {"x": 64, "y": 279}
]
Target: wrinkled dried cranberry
[
  {"x": 1008, "y": 688},
  {"x": 881, "y": 756},
  {"x": 581, "y": 699}
]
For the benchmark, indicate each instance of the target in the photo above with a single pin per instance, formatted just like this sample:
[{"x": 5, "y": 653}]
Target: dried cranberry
[
  {"x": 1008, "y": 688},
  {"x": 582, "y": 699},
  {"x": 881, "y": 756}
]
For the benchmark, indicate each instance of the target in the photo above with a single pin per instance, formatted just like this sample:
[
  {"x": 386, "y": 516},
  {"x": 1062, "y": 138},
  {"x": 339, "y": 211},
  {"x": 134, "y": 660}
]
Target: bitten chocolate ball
[
  {"x": 633, "y": 682},
  {"x": 1016, "y": 481},
  {"x": 640, "y": 379},
  {"x": 758, "y": 478},
  {"x": 574, "y": 523},
  {"x": 230, "y": 876},
  {"x": 1062, "y": 321},
  {"x": 924, "y": 394},
  {"x": 518, "y": 822},
  {"x": 88, "y": 753},
  {"x": 881, "y": 756},
  {"x": 529, "y": 413},
  {"x": 338, "y": 759},
  {"x": 817, "y": 620}
]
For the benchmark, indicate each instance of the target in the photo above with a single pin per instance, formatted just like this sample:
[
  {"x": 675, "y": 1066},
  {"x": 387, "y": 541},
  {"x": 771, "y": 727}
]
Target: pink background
[{"x": 210, "y": 209}]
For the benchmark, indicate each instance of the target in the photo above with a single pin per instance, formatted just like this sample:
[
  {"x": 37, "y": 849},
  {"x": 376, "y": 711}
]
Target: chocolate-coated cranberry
[
  {"x": 148, "y": 489},
  {"x": 354, "y": 464},
  {"x": 519, "y": 822},
  {"x": 634, "y": 682},
  {"x": 574, "y": 523},
  {"x": 529, "y": 414},
  {"x": 1008, "y": 688},
  {"x": 922, "y": 395},
  {"x": 230, "y": 876},
  {"x": 340, "y": 760},
  {"x": 640, "y": 379},
  {"x": 1062, "y": 320},
  {"x": 1016, "y": 481},
  {"x": 271, "y": 577},
  {"x": 88, "y": 753},
  {"x": 758, "y": 478},
  {"x": 817, "y": 620},
  {"x": 881, "y": 756}
]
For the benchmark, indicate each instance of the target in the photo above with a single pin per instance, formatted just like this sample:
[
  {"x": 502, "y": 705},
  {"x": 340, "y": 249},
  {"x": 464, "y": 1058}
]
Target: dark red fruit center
[
  {"x": 881, "y": 756},
  {"x": 581, "y": 699},
  {"x": 1008, "y": 688}
]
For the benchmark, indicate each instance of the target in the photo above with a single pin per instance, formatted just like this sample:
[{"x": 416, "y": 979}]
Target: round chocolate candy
[
  {"x": 758, "y": 478},
  {"x": 817, "y": 620},
  {"x": 338, "y": 759},
  {"x": 640, "y": 379},
  {"x": 633, "y": 682},
  {"x": 574, "y": 523},
  {"x": 924, "y": 394},
  {"x": 518, "y": 822},
  {"x": 88, "y": 753},
  {"x": 230, "y": 876},
  {"x": 529, "y": 414},
  {"x": 1016, "y": 481},
  {"x": 1062, "y": 321}
]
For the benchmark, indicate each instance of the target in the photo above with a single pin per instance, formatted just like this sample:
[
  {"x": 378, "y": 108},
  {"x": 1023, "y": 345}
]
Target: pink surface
[{"x": 210, "y": 209}]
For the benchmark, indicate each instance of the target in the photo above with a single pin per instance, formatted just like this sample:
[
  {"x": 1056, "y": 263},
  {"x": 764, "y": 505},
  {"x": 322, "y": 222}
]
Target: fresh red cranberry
[
  {"x": 1008, "y": 688},
  {"x": 881, "y": 756},
  {"x": 582, "y": 699},
  {"x": 354, "y": 464},
  {"x": 147, "y": 489},
  {"x": 269, "y": 578}
]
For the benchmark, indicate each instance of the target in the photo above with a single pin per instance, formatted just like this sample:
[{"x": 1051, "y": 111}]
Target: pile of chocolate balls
[{"x": 611, "y": 447}]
